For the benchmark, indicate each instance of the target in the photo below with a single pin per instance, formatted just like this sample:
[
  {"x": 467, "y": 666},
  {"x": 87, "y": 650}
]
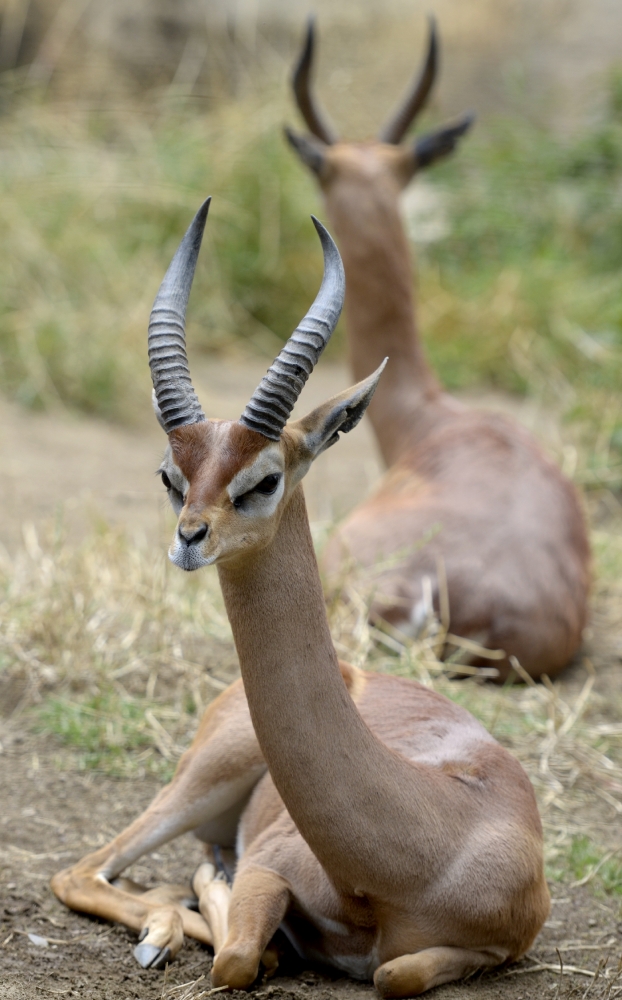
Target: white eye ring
[{"x": 266, "y": 487}]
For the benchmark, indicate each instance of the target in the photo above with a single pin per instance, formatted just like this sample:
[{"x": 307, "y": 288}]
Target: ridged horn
[
  {"x": 301, "y": 82},
  {"x": 396, "y": 128},
  {"x": 274, "y": 398},
  {"x": 176, "y": 399}
]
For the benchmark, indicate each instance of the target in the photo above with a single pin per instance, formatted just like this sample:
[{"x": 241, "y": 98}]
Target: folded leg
[
  {"x": 214, "y": 896},
  {"x": 411, "y": 975},
  {"x": 259, "y": 901},
  {"x": 276, "y": 868},
  {"x": 213, "y": 778}
]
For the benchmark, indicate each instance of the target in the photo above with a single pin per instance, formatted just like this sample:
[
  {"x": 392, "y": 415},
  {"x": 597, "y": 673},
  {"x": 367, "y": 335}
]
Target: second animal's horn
[
  {"x": 274, "y": 398},
  {"x": 301, "y": 82},
  {"x": 395, "y": 130}
]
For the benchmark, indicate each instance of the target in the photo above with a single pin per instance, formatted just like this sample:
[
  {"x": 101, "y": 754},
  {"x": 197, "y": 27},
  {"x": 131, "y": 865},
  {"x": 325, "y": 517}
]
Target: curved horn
[
  {"x": 395, "y": 129},
  {"x": 176, "y": 399},
  {"x": 274, "y": 398},
  {"x": 302, "y": 90}
]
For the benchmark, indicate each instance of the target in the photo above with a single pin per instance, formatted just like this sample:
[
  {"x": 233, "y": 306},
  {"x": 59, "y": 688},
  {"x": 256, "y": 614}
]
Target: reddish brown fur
[
  {"x": 507, "y": 527},
  {"x": 193, "y": 444},
  {"x": 393, "y": 835}
]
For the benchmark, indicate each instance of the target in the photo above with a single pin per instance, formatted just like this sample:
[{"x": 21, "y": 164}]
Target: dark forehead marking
[{"x": 211, "y": 452}]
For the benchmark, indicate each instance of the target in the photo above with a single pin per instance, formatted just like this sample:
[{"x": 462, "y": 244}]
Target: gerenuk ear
[
  {"x": 312, "y": 151},
  {"x": 321, "y": 428},
  {"x": 435, "y": 145}
]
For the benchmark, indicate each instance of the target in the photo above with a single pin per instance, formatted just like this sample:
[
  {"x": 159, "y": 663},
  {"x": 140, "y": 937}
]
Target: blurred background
[{"x": 118, "y": 117}]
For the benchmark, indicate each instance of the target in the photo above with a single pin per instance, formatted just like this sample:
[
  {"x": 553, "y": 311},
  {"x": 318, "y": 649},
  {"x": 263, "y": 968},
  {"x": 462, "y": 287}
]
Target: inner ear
[{"x": 321, "y": 428}]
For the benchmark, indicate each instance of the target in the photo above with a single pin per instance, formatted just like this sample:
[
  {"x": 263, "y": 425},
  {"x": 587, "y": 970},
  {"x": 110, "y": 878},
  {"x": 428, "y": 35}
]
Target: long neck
[
  {"x": 336, "y": 779},
  {"x": 380, "y": 311}
]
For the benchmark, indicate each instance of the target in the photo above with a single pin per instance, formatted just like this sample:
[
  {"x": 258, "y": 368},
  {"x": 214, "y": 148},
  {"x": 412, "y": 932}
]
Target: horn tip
[
  {"x": 197, "y": 227},
  {"x": 204, "y": 209},
  {"x": 433, "y": 44},
  {"x": 303, "y": 66},
  {"x": 374, "y": 378},
  {"x": 321, "y": 228},
  {"x": 379, "y": 370},
  {"x": 325, "y": 237}
]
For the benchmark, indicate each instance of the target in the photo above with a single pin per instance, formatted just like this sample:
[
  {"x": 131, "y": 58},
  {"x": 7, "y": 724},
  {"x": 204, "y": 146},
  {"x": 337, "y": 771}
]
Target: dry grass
[
  {"x": 198, "y": 989},
  {"x": 602, "y": 983},
  {"x": 117, "y": 653}
]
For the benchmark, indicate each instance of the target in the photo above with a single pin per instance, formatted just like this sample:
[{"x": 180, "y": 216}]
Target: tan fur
[
  {"x": 505, "y": 523},
  {"x": 393, "y": 837}
]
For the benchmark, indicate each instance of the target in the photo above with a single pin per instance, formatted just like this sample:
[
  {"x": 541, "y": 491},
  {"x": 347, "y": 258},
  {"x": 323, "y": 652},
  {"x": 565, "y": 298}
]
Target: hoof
[
  {"x": 161, "y": 939},
  {"x": 152, "y": 957}
]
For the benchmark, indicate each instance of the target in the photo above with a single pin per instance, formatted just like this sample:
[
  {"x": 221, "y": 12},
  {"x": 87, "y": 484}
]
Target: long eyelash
[{"x": 238, "y": 501}]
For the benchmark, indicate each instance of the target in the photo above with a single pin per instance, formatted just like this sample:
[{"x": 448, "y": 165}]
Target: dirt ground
[{"x": 50, "y": 814}]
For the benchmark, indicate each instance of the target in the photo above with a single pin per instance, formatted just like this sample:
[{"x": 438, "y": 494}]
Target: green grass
[
  {"x": 584, "y": 861},
  {"x": 92, "y": 207},
  {"x": 524, "y": 293},
  {"x": 585, "y": 858},
  {"x": 109, "y": 734}
]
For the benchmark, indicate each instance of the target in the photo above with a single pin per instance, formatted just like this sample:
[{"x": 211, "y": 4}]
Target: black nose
[{"x": 191, "y": 537}]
